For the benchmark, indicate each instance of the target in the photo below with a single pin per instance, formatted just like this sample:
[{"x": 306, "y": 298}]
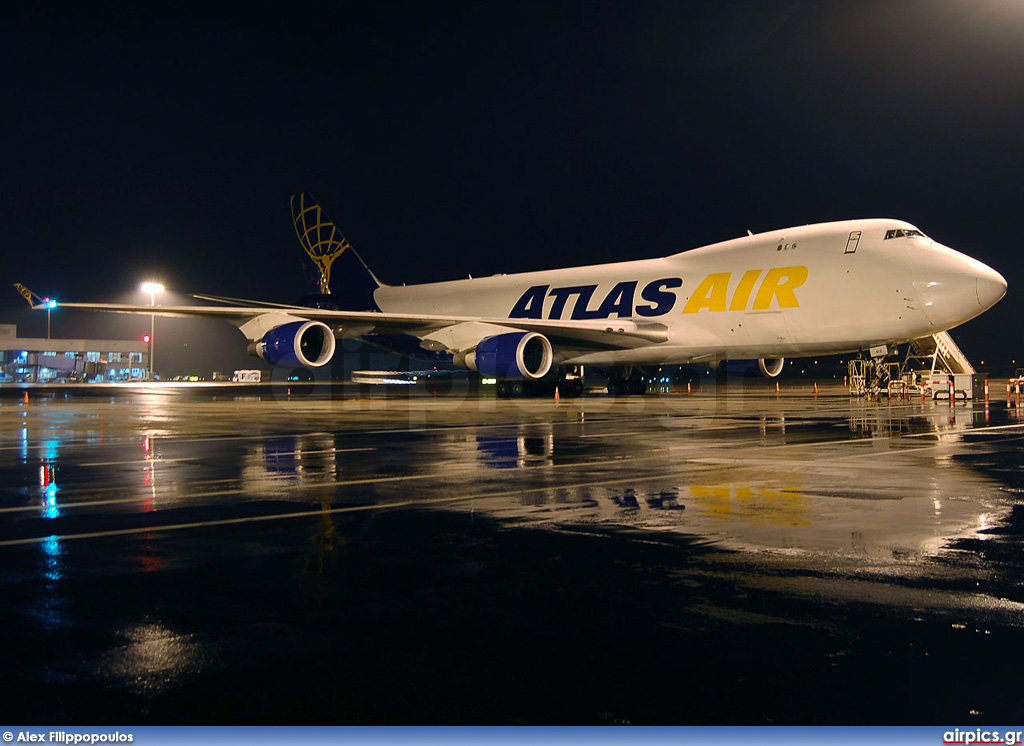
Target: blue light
[{"x": 50, "y": 507}]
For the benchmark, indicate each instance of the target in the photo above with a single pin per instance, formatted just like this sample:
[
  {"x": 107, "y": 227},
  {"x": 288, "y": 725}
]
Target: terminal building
[{"x": 37, "y": 360}]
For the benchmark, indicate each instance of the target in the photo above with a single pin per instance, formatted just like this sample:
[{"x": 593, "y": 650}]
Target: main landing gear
[
  {"x": 568, "y": 381},
  {"x": 626, "y": 382}
]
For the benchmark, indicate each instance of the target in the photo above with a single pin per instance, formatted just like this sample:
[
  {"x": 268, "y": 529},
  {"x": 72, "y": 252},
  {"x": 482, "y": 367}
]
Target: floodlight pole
[
  {"x": 152, "y": 335},
  {"x": 50, "y": 304},
  {"x": 152, "y": 288}
]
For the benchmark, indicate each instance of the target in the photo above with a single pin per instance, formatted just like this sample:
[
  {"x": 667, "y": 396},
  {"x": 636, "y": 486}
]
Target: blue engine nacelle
[
  {"x": 306, "y": 343},
  {"x": 515, "y": 356}
]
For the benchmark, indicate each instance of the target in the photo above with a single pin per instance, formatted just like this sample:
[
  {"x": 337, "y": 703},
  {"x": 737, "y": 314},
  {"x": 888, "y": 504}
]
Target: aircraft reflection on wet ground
[{"x": 163, "y": 547}]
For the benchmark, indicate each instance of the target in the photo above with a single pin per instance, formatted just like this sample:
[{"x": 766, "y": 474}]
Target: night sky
[{"x": 449, "y": 139}]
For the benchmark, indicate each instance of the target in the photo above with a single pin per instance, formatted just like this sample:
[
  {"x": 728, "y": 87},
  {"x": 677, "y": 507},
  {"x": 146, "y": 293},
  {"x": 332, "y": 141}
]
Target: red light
[{"x": 145, "y": 338}]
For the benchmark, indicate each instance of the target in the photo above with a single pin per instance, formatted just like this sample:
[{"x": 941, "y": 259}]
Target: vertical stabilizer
[{"x": 334, "y": 271}]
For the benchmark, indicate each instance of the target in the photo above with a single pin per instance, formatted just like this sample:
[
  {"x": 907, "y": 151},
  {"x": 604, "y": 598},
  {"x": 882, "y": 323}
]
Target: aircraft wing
[{"x": 600, "y": 334}]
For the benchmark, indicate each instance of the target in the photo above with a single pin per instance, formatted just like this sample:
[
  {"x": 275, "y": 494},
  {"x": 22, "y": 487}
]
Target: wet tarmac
[{"x": 174, "y": 555}]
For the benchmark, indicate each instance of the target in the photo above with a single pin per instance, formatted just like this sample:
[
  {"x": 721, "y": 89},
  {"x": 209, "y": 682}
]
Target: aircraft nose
[
  {"x": 953, "y": 287},
  {"x": 991, "y": 287}
]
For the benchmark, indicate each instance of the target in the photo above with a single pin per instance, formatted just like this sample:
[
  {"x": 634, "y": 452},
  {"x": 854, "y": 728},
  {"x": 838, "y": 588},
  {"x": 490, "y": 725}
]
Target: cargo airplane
[{"x": 830, "y": 288}]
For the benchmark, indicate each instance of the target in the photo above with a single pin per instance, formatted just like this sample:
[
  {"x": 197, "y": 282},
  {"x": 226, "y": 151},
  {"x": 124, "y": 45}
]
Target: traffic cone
[
  {"x": 557, "y": 397},
  {"x": 815, "y": 388}
]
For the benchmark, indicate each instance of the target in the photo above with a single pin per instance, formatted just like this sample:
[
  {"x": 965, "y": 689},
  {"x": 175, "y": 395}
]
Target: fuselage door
[{"x": 851, "y": 242}]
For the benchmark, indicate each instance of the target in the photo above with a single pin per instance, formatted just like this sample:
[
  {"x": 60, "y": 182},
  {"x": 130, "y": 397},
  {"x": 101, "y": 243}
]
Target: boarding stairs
[
  {"x": 945, "y": 355},
  {"x": 928, "y": 360}
]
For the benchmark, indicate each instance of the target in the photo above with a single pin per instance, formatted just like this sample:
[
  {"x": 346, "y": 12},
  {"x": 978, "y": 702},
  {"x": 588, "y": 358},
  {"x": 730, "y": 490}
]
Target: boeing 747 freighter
[{"x": 811, "y": 290}]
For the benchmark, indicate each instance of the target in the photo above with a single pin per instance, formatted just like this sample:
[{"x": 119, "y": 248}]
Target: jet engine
[
  {"x": 515, "y": 356},
  {"x": 306, "y": 343},
  {"x": 771, "y": 367}
]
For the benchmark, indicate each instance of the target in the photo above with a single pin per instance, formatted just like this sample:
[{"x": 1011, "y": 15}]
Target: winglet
[{"x": 35, "y": 300}]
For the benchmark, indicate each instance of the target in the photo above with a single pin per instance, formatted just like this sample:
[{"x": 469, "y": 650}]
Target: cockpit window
[{"x": 903, "y": 233}]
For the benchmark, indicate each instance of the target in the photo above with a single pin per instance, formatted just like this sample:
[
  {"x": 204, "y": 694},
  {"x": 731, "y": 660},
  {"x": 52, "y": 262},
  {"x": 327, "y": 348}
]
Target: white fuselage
[{"x": 817, "y": 289}]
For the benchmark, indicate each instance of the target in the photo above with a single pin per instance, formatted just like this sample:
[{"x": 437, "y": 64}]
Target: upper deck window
[{"x": 903, "y": 233}]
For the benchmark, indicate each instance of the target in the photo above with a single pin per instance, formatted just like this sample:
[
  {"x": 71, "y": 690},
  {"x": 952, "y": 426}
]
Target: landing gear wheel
[{"x": 510, "y": 389}]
